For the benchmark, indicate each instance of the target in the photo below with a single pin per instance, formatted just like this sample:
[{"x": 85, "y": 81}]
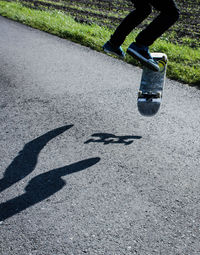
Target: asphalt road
[{"x": 81, "y": 171}]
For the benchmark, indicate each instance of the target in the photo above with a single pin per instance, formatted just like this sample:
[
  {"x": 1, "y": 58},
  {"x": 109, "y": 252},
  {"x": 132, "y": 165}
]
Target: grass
[
  {"x": 110, "y": 13},
  {"x": 184, "y": 61}
]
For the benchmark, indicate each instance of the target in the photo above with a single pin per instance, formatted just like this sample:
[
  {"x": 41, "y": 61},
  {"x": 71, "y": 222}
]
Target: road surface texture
[{"x": 81, "y": 171}]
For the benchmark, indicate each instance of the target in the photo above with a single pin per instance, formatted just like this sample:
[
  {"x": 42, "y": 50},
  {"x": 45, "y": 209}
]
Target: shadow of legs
[
  {"x": 26, "y": 160},
  {"x": 42, "y": 187}
]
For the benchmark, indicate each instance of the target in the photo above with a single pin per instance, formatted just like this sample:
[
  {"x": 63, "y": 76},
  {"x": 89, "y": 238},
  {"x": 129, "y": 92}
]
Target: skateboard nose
[{"x": 162, "y": 63}]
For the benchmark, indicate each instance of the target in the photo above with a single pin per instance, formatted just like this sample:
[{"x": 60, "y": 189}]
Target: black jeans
[{"x": 169, "y": 14}]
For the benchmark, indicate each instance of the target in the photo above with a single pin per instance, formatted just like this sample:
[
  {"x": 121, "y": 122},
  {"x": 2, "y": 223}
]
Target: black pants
[{"x": 169, "y": 14}]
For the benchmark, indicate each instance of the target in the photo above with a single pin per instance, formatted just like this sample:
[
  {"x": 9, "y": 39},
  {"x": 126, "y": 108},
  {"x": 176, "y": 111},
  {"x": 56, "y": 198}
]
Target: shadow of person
[
  {"x": 25, "y": 162},
  {"x": 42, "y": 187},
  {"x": 107, "y": 138}
]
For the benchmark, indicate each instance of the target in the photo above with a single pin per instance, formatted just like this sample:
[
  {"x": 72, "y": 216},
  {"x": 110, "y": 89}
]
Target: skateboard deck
[{"x": 151, "y": 87}]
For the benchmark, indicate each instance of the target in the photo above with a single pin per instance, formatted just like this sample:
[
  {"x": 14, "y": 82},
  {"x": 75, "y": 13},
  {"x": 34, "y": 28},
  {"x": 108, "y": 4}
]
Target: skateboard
[{"x": 151, "y": 87}]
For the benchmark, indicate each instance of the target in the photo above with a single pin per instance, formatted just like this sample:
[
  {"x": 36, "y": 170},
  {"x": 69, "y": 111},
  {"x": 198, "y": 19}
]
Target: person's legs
[
  {"x": 169, "y": 14},
  {"x": 141, "y": 12}
]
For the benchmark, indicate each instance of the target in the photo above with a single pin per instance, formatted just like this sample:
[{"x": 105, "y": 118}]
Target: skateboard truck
[{"x": 149, "y": 95}]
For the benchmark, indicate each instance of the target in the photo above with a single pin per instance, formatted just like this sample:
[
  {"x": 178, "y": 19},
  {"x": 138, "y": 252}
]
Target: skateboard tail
[{"x": 148, "y": 108}]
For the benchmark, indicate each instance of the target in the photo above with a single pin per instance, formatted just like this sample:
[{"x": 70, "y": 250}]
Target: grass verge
[{"x": 184, "y": 61}]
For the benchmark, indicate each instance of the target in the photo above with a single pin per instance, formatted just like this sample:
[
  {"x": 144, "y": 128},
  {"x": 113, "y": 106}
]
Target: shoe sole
[
  {"x": 113, "y": 53},
  {"x": 143, "y": 60}
]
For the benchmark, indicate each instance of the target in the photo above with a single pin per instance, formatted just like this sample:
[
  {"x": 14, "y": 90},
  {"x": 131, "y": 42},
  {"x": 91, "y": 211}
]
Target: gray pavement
[{"x": 81, "y": 171}]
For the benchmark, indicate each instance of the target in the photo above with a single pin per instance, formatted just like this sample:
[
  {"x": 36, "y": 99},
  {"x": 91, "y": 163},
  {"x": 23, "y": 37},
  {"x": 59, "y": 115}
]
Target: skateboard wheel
[
  {"x": 139, "y": 93},
  {"x": 165, "y": 58},
  {"x": 159, "y": 94}
]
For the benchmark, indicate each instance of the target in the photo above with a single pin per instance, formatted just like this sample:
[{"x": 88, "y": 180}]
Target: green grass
[{"x": 184, "y": 61}]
